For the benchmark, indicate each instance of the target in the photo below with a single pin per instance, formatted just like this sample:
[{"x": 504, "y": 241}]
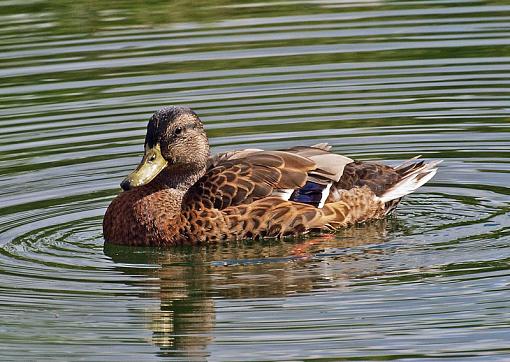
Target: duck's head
[{"x": 175, "y": 139}]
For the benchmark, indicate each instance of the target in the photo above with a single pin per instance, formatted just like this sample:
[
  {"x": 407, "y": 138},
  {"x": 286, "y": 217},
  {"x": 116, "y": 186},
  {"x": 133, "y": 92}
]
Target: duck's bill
[{"x": 151, "y": 165}]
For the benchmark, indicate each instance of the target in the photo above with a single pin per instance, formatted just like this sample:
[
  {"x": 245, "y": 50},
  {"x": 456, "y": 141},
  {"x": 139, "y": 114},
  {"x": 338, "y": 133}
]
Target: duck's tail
[{"x": 414, "y": 175}]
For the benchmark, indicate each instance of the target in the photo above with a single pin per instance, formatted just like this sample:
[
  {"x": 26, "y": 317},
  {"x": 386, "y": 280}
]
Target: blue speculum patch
[{"x": 311, "y": 193}]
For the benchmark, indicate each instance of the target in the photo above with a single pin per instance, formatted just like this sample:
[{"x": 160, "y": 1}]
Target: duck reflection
[{"x": 187, "y": 281}]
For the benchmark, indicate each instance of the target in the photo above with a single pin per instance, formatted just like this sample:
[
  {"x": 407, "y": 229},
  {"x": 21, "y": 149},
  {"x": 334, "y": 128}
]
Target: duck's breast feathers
[{"x": 241, "y": 177}]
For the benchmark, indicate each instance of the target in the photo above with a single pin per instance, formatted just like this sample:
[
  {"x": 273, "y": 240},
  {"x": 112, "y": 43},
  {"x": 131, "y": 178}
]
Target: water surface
[{"x": 378, "y": 80}]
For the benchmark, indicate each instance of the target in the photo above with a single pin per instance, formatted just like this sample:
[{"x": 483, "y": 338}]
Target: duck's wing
[
  {"x": 376, "y": 176},
  {"x": 242, "y": 177}
]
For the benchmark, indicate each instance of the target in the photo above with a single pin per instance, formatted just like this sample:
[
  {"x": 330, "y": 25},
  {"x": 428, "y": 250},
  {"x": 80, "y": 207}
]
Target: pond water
[{"x": 378, "y": 80}]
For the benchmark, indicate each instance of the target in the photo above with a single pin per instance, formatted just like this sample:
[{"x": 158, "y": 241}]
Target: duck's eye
[
  {"x": 178, "y": 131},
  {"x": 152, "y": 158}
]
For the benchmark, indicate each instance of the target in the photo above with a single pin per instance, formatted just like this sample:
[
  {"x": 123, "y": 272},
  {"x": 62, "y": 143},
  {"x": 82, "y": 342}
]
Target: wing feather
[{"x": 242, "y": 177}]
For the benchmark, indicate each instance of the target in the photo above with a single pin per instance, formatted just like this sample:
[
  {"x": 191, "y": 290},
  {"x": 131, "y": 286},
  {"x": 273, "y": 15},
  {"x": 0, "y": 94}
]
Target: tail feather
[
  {"x": 408, "y": 164},
  {"x": 413, "y": 178}
]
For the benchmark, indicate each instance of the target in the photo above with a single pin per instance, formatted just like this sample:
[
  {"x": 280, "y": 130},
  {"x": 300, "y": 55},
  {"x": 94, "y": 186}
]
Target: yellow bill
[{"x": 151, "y": 165}]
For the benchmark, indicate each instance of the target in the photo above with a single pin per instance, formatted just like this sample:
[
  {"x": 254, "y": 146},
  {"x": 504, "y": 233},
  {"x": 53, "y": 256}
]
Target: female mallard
[{"x": 180, "y": 195}]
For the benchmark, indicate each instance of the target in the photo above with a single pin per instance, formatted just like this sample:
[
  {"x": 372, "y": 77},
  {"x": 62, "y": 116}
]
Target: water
[{"x": 377, "y": 80}]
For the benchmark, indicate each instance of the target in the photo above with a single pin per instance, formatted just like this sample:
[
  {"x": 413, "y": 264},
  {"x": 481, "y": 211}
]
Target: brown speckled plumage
[{"x": 246, "y": 194}]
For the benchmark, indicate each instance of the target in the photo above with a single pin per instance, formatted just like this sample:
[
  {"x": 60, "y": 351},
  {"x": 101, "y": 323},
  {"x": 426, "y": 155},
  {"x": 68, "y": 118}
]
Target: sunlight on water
[{"x": 379, "y": 80}]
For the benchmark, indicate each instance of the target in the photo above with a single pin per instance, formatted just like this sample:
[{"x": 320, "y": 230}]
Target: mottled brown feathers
[
  {"x": 274, "y": 217},
  {"x": 234, "y": 181},
  {"x": 249, "y": 193},
  {"x": 375, "y": 176}
]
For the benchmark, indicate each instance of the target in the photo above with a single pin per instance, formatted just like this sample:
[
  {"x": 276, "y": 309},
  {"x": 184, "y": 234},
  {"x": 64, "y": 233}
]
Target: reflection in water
[{"x": 188, "y": 280}]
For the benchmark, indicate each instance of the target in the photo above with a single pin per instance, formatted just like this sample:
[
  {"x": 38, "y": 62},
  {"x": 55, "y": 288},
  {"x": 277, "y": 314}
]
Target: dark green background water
[{"x": 382, "y": 80}]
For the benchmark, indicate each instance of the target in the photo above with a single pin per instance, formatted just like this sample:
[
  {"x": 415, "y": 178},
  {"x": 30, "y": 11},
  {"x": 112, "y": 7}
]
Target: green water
[{"x": 378, "y": 80}]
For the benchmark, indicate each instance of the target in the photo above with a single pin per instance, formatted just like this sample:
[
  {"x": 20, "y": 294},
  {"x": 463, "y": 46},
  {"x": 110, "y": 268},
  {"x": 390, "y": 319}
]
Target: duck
[{"x": 181, "y": 195}]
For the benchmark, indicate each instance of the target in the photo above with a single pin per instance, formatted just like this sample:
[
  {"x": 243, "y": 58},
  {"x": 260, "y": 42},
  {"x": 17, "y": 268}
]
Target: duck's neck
[{"x": 179, "y": 177}]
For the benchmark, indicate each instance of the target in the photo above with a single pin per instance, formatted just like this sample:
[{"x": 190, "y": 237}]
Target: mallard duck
[{"x": 179, "y": 194}]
